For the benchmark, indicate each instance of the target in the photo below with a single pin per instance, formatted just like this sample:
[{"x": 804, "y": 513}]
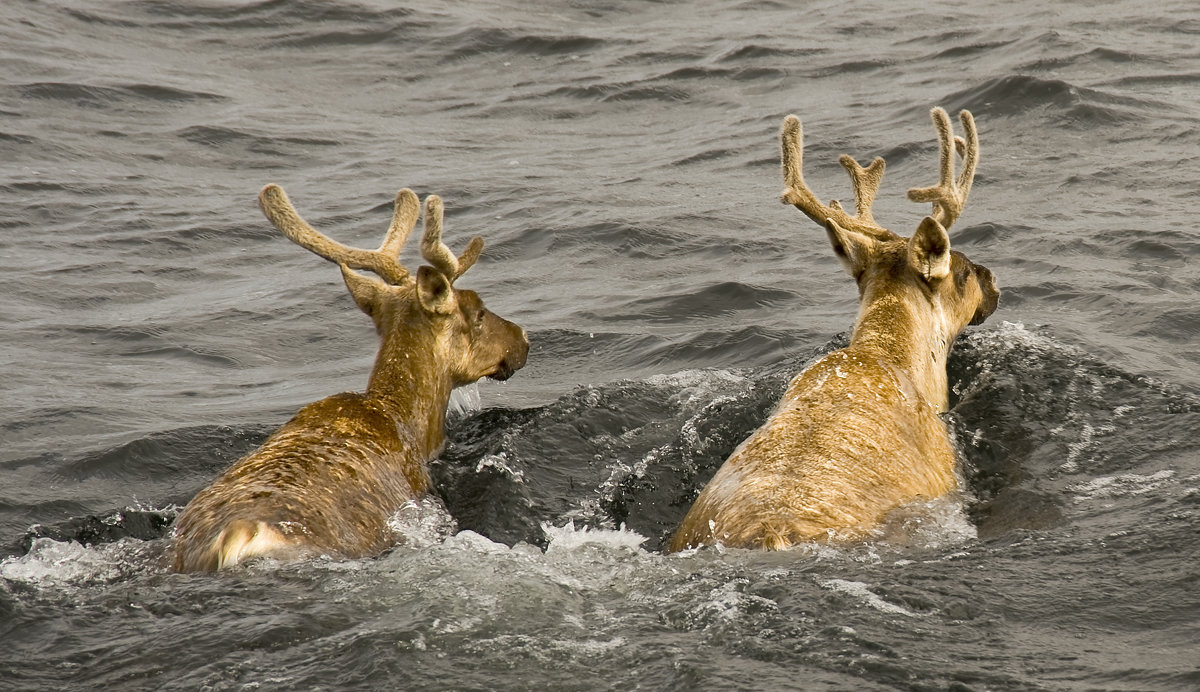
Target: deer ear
[
  {"x": 929, "y": 250},
  {"x": 367, "y": 291},
  {"x": 435, "y": 292},
  {"x": 852, "y": 249}
]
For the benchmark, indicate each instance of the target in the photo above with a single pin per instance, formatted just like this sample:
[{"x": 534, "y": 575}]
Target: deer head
[
  {"x": 424, "y": 321},
  {"x": 922, "y": 269}
]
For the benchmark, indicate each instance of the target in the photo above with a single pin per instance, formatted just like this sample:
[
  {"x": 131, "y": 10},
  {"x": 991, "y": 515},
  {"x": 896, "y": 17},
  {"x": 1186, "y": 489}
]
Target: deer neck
[
  {"x": 411, "y": 383},
  {"x": 911, "y": 336}
]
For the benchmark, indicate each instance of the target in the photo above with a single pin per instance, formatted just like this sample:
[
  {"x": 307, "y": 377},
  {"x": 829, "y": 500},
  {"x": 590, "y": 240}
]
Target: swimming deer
[
  {"x": 328, "y": 481},
  {"x": 858, "y": 432}
]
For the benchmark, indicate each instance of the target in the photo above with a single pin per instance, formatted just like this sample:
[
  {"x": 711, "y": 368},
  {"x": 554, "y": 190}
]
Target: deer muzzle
[{"x": 514, "y": 357}]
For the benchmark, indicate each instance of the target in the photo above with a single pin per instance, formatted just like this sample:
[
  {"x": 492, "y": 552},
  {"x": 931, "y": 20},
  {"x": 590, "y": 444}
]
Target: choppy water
[{"x": 621, "y": 160}]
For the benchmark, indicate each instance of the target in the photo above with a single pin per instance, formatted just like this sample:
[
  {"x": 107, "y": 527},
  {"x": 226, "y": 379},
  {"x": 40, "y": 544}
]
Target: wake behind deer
[
  {"x": 328, "y": 481},
  {"x": 858, "y": 432}
]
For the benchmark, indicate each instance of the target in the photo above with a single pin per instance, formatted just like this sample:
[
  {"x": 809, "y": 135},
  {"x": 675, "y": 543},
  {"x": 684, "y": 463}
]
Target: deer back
[
  {"x": 858, "y": 432},
  {"x": 330, "y": 479}
]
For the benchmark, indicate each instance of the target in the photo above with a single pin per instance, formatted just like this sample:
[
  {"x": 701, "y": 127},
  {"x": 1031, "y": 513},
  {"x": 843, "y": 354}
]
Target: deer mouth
[{"x": 502, "y": 372}]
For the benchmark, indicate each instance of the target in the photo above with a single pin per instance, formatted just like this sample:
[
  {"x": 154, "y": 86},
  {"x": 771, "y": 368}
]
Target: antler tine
[
  {"x": 279, "y": 211},
  {"x": 432, "y": 247},
  {"x": 971, "y": 153},
  {"x": 436, "y": 252},
  {"x": 404, "y": 218},
  {"x": 866, "y": 183},
  {"x": 949, "y": 196},
  {"x": 469, "y": 256}
]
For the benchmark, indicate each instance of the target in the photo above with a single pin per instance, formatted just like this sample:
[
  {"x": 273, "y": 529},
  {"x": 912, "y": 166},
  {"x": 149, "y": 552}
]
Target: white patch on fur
[
  {"x": 942, "y": 329},
  {"x": 236, "y": 548}
]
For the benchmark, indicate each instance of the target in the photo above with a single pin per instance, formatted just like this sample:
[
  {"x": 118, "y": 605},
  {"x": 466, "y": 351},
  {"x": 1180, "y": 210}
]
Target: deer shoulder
[
  {"x": 858, "y": 432},
  {"x": 328, "y": 481}
]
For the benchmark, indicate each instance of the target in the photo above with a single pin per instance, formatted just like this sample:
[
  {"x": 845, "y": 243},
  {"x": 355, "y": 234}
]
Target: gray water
[{"x": 621, "y": 160}]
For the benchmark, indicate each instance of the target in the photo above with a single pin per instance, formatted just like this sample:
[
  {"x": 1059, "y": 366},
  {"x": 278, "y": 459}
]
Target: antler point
[{"x": 270, "y": 191}]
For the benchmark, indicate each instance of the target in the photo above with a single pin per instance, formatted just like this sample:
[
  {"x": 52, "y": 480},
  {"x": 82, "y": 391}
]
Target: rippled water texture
[{"x": 621, "y": 160}]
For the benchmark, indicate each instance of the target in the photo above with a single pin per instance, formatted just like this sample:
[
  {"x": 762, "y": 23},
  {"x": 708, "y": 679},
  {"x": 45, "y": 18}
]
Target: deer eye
[{"x": 480, "y": 315}]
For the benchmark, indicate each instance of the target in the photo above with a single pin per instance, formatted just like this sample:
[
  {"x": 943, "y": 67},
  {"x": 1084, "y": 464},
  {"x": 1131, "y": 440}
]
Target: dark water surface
[{"x": 621, "y": 159}]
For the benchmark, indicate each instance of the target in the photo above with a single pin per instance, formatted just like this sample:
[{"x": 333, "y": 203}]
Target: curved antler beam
[
  {"x": 282, "y": 214},
  {"x": 866, "y": 183}
]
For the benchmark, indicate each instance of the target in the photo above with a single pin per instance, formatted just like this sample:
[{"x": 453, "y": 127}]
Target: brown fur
[
  {"x": 858, "y": 432},
  {"x": 328, "y": 481}
]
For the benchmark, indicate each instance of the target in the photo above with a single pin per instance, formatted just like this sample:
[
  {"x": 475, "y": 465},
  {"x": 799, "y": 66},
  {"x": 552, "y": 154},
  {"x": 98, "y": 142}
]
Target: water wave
[
  {"x": 1061, "y": 102},
  {"x": 88, "y": 95}
]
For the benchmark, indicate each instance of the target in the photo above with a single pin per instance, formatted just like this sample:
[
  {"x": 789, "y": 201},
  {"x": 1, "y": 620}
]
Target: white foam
[
  {"x": 1088, "y": 441},
  {"x": 729, "y": 603},
  {"x": 500, "y": 463},
  {"x": 549, "y": 650},
  {"x": 568, "y": 537},
  {"x": 471, "y": 541},
  {"x": 423, "y": 522},
  {"x": 862, "y": 592},
  {"x": 1122, "y": 485},
  {"x": 52, "y": 563},
  {"x": 464, "y": 400},
  {"x": 695, "y": 377},
  {"x": 931, "y": 524},
  {"x": 693, "y": 385}
]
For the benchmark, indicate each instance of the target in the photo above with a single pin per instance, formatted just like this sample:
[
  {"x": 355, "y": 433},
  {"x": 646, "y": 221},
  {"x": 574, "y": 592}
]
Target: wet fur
[
  {"x": 857, "y": 433},
  {"x": 329, "y": 480},
  {"x": 326, "y": 482}
]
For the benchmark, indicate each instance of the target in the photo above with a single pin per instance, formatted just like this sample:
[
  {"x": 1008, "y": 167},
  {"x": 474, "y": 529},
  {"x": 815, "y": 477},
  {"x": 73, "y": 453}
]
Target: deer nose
[{"x": 516, "y": 356}]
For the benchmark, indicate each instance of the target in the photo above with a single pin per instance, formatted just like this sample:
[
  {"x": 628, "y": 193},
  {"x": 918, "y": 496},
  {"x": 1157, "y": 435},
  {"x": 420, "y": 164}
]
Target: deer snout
[
  {"x": 991, "y": 295},
  {"x": 515, "y": 356}
]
